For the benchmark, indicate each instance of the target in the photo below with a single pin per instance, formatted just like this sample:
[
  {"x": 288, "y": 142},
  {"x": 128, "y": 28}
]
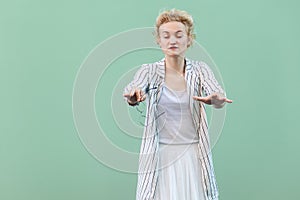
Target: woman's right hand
[{"x": 135, "y": 96}]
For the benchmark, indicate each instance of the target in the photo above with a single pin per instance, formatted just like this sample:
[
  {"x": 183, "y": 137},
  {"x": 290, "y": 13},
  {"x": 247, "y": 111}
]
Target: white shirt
[{"x": 175, "y": 123}]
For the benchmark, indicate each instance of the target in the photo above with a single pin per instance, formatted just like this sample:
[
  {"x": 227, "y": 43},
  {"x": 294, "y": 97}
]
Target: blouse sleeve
[
  {"x": 140, "y": 80},
  {"x": 209, "y": 83}
]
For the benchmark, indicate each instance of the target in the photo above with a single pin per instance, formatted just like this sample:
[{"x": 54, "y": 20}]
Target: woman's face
[{"x": 173, "y": 38}]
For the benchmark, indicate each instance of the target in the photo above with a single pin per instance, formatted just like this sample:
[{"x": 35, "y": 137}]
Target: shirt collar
[{"x": 161, "y": 66}]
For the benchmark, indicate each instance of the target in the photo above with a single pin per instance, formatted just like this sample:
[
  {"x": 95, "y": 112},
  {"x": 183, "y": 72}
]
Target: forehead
[{"x": 172, "y": 27}]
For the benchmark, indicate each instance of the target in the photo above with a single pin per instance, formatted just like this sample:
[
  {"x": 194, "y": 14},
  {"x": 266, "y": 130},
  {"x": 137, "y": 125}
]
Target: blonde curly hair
[{"x": 179, "y": 16}]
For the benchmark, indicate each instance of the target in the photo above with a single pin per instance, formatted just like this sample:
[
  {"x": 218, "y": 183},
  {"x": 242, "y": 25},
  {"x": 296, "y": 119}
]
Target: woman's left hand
[{"x": 216, "y": 99}]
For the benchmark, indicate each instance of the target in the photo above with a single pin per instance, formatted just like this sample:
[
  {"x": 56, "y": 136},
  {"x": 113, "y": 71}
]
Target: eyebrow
[{"x": 175, "y": 32}]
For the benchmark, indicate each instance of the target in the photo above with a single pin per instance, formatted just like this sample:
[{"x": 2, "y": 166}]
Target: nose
[{"x": 172, "y": 40}]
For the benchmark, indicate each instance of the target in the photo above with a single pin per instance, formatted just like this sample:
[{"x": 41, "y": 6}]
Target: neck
[{"x": 175, "y": 63}]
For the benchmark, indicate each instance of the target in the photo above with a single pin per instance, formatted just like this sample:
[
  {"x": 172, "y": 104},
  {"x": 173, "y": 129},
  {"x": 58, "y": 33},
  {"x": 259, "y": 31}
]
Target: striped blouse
[{"x": 150, "y": 78}]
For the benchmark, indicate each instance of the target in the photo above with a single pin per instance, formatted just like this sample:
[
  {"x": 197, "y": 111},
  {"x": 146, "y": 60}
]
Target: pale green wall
[{"x": 255, "y": 45}]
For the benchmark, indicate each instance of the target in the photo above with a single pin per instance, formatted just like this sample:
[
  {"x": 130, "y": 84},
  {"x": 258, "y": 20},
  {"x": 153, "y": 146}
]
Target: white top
[{"x": 175, "y": 123}]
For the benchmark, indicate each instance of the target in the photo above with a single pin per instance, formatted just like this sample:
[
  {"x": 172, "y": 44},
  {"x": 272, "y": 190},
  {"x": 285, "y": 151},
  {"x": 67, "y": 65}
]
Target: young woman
[{"x": 175, "y": 158}]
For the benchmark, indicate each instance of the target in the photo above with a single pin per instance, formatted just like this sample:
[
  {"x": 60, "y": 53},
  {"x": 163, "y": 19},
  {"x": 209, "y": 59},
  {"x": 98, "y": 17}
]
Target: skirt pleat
[{"x": 180, "y": 176}]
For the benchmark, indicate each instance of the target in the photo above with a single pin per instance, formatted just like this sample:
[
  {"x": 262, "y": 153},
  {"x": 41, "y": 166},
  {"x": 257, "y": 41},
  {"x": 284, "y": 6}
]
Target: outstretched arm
[
  {"x": 215, "y": 95},
  {"x": 134, "y": 91}
]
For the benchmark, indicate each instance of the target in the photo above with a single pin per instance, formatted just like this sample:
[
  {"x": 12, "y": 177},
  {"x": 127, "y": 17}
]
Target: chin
[
  {"x": 174, "y": 54},
  {"x": 168, "y": 53}
]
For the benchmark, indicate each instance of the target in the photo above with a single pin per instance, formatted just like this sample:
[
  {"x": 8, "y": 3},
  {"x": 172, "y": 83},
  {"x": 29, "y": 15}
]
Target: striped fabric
[{"x": 150, "y": 78}]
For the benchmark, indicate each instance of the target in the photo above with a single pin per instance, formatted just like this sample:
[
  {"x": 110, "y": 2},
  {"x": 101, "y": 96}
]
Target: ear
[{"x": 158, "y": 41}]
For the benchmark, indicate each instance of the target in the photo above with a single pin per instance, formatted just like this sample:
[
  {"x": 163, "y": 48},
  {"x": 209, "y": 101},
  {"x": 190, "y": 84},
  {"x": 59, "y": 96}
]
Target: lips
[{"x": 173, "y": 47}]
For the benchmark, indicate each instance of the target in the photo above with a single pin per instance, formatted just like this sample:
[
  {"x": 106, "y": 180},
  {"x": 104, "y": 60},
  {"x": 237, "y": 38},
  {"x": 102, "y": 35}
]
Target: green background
[{"x": 43, "y": 43}]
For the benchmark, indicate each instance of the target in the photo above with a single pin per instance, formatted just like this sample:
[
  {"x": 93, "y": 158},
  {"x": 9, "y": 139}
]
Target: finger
[
  {"x": 228, "y": 100},
  {"x": 198, "y": 98},
  {"x": 126, "y": 95},
  {"x": 132, "y": 93},
  {"x": 138, "y": 95},
  {"x": 141, "y": 95},
  {"x": 223, "y": 99},
  {"x": 143, "y": 98}
]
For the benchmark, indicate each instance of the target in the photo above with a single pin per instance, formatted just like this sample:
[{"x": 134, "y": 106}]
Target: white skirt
[{"x": 180, "y": 174}]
